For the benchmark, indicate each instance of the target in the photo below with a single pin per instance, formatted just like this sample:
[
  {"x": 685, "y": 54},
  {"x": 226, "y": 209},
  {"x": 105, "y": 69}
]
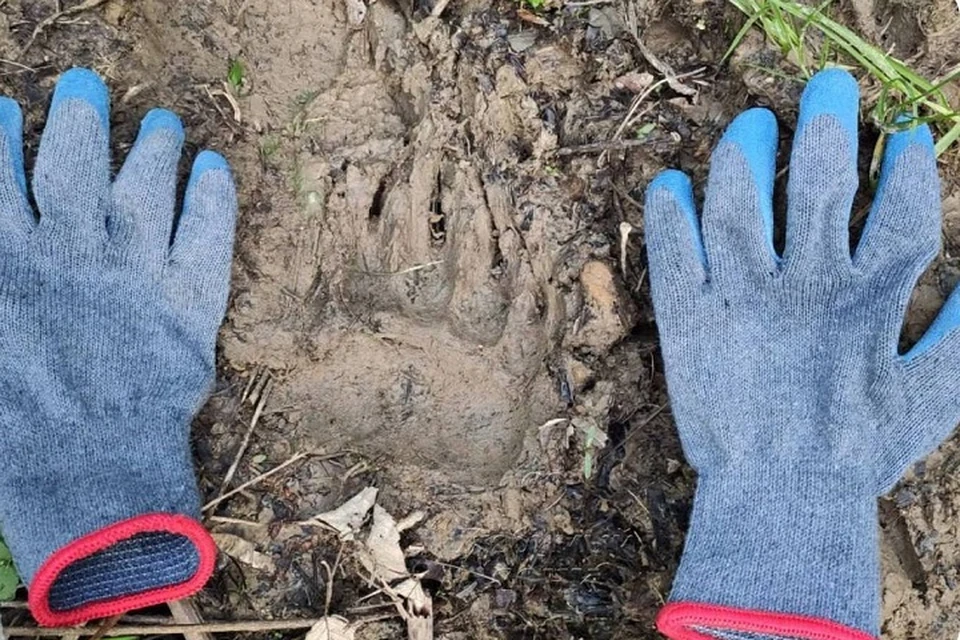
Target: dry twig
[
  {"x": 331, "y": 573},
  {"x": 673, "y": 80},
  {"x": 14, "y": 63},
  {"x": 600, "y": 147},
  {"x": 185, "y": 612},
  {"x": 625, "y": 229},
  {"x": 632, "y": 115},
  {"x": 257, "y": 412},
  {"x": 259, "y": 478},
  {"x": 239, "y": 626},
  {"x": 632, "y": 22},
  {"x": 226, "y": 95},
  {"x": 106, "y": 626}
]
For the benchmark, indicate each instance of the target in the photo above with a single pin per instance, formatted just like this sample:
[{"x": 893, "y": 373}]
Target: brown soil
[{"x": 429, "y": 289}]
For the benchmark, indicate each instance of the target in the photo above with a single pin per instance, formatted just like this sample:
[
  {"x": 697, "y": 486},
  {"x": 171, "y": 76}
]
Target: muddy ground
[{"x": 432, "y": 294}]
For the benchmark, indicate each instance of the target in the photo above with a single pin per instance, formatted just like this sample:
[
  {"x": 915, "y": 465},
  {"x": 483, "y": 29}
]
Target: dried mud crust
[{"x": 429, "y": 288}]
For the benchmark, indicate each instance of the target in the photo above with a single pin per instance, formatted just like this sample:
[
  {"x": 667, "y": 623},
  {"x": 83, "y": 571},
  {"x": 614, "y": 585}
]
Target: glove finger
[
  {"x": 930, "y": 371},
  {"x": 145, "y": 192},
  {"x": 738, "y": 213},
  {"x": 198, "y": 270},
  {"x": 933, "y": 349},
  {"x": 823, "y": 175},
  {"x": 72, "y": 176},
  {"x": 902, "y": 233},
  {"x": 13, "y": 181},
  {"x": 675, "y": 251}
]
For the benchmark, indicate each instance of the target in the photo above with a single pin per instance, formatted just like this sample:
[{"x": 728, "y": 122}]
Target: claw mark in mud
[
  {"x": 438, "y": 220},
  {"x": 376, "y": 205}
]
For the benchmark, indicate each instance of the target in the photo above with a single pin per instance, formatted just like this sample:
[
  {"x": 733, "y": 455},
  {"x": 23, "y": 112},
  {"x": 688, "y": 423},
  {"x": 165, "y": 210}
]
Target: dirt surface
[{"x": 434, "y": 296}]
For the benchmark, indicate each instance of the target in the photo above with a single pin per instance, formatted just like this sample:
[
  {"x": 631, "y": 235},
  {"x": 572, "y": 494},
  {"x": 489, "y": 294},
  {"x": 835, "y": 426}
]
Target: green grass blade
[
  {"x": 787, "y": 24},
  {"x": 948, "y": 139}
]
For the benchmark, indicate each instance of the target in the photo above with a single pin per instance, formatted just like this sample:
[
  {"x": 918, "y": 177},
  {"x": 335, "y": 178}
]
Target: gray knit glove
[
  {"x": 790, "y": 397},
  {"x": 107, "y": 351}
]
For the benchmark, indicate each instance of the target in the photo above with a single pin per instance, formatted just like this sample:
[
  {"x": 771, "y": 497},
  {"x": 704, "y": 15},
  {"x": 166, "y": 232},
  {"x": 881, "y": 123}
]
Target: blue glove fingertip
[
  {"x": 11, "y": 127},
  {"x": 831, "y": 92},
  {"x": 946, "y": 321},
  {"x": 83, "y": 84},
  {"x": 208, "y": 161},
  {"x": 160, "y": 120},
  {"x": 755, "y": 133},
  {"x": 680, "y": 188},
  {"x": 896, "y": 144},
  {"x": 205, "y": 162},
  {"x": 899, "y": 141},
  {"x": 899, "y": 217}
]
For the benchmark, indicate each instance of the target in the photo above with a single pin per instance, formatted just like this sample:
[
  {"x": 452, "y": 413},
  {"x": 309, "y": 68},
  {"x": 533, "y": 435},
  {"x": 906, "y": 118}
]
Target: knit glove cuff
[
  {"x": 763, "y": 542},
  {"x": 115, "y": 528},
  {"x": 137, "y": 562}
]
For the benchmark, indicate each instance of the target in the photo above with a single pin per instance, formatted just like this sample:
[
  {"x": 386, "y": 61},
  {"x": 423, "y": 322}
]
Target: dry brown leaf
[
  {"x": 412, "y": 520},
  {"x": 243, "y": 551},
  {"x": 348, "y": 517},
  {"x": 418, "y": 602},
  {"x": 634, "y": 82},
  {"x": 356, "y": 12},
  {"x": 532, "y": 18},
  {"x": 384, "y": 556},
  {"x": 332, "y": 628}
]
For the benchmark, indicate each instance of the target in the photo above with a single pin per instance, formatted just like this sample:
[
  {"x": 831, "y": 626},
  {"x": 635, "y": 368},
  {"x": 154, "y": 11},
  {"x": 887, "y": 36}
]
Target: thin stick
[
  {"x": 626, "y": 122},
  {"x": 665, "y": 69},
  {"x": 237, "y": 521},
  {"x": 416, "y": 267},
  {"x": 249, "y": 387},
  {"x": 647, "y": 420},
  {"x": 261, "y": 401},
  {"x": 259, "y": 478},
  {"x": 671, "y": 76},
  {"x": 468, "y": 571},
  {"x": 130, "y": 618},
  {"x": 106, "y": 626},
  {"x": 49, "y": 20},
  {"x": 625, "y": 229},
  {"x": 370, "y": 607},
  {"x": 185, "y": 612},
  {"x": 331, "y": 574},
  {"x": 636, "y": 105},
  {"x": 213, "y": 93},
  {"x": 239, "y": 626},
  {"x": 600, "y": 147},
  {"x": 14, "y": 63}
]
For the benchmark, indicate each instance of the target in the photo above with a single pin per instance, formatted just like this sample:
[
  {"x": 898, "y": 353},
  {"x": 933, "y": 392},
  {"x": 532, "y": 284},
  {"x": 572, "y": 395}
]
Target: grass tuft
[{"x": 789, "y": 25}]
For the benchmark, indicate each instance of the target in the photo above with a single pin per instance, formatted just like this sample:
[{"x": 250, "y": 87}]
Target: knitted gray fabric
[
  {"x": 107, "y": 352},
  {"x": 785, "y": 382}
]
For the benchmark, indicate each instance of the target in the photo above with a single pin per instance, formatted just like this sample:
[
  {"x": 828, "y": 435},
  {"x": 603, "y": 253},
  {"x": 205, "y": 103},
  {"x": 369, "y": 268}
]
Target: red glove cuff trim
[
  {"x": 681, "y": 620},
  {"x": 103, "y": 538}
]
